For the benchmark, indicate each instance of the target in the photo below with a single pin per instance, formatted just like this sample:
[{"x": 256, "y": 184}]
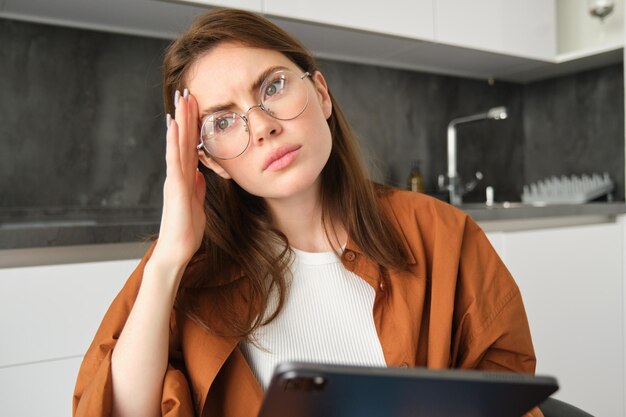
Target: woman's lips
[{"x": 281, "y": 158}]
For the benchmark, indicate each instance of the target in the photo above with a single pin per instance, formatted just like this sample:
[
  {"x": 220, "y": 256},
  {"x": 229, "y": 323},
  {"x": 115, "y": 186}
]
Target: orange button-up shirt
[{"x": 456, "y": 307}]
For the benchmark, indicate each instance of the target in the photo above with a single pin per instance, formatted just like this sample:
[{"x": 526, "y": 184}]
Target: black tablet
[{"x": 313, "y": 390}]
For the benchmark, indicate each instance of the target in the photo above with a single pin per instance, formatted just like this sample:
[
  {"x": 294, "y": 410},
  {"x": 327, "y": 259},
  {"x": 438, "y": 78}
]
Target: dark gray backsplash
[
  {"x": 401, "y": 116},
  {"x": 575, "y": 125},
  {"x": 81, "y": 121}
]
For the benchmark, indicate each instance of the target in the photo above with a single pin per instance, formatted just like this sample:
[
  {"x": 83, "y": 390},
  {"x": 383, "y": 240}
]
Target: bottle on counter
[{"x": 415, "y": 181}]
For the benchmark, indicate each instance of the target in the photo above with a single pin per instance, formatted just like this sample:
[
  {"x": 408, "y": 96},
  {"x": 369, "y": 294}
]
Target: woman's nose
[{"x": 261, "y": 126}]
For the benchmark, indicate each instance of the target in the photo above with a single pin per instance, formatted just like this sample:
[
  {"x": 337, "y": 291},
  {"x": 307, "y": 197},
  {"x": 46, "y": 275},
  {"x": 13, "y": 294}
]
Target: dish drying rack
[{"x": 567, "y": 190}]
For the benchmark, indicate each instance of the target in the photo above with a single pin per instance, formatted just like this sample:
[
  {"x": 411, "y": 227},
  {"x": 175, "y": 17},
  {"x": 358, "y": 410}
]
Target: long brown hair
[{"x": 239, "y": 236}]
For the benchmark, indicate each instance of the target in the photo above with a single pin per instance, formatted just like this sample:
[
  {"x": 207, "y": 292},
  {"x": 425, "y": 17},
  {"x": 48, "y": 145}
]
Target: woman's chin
[{"x": 288, "y": 187}]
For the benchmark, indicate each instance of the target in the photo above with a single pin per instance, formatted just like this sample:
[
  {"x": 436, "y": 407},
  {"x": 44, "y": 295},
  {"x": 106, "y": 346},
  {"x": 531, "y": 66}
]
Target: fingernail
[
  {"x": 168, "y": 120},
  {"x": 176, "y": 97},
  {"x": 186, "y": 94}
]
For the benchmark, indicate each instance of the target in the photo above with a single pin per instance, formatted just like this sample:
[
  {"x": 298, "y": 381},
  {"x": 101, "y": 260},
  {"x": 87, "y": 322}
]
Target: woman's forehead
[
  {"x": 234, "y": 62},
  {"x": 229, "y": 71}
]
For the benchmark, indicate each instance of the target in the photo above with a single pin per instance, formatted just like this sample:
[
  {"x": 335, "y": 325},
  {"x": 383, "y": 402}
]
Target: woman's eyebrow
[
  {"x": 216, "y": 108},
  {"x": 254, "y": 87},
  {"x": 257, "y": 83}
]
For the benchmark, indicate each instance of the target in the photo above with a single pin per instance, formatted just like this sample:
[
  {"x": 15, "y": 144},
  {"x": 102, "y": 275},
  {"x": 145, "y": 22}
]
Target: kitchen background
[
  {"x": 82, "y": 159},
  {"x": 83, "y": 125}
]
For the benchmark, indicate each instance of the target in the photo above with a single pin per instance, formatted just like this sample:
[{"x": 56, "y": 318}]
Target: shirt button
[{"x": 349, "y": 256}]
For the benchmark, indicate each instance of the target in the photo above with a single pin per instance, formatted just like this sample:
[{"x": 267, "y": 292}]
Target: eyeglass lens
[{"x": 283, "y": 95}]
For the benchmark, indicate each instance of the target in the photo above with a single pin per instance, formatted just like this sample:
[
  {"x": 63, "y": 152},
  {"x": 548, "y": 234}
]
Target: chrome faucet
[{"x": 453, "y": 183}]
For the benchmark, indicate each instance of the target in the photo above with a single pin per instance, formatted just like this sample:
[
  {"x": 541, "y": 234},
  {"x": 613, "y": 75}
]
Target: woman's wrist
[
  {"x": 170, "y": 256},
  {"x": 165, "y": 268}
]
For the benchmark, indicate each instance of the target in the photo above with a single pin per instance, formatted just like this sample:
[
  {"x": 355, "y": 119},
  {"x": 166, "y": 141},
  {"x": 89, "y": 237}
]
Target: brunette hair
[{"x": 239, "y": 235}]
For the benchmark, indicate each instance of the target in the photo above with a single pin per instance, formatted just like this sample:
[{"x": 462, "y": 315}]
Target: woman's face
[{"x": 224, "y": 77}]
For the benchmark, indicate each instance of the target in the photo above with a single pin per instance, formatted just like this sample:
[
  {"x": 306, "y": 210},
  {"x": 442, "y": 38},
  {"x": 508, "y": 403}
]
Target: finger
[
  {"x": 200, "y": 187},
  {"x": 192, "y": 105},
  {"x": 190, "y": 156},
  {"x": 172, "y": 152},
  {"x": 181, "y": 117},
  {"x": 188, "y": 166},
  {"x": 165, "y": 194}
]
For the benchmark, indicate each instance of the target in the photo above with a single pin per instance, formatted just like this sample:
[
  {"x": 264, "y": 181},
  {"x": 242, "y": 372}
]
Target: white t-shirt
[{"x": 327, "y": 318}]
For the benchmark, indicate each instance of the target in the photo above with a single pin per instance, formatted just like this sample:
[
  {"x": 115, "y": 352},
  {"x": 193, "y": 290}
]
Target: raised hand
[{"x": 183, "y": 219}]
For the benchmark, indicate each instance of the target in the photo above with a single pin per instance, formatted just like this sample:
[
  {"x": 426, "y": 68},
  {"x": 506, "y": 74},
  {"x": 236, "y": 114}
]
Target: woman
[{"x": 278, "y": 247}]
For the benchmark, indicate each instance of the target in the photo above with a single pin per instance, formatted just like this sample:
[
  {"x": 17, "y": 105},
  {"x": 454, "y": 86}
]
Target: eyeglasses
[{"x": 283, "y": 95}]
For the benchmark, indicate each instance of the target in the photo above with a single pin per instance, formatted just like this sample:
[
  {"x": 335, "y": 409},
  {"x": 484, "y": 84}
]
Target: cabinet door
[
  {"x": 525, "y": 28},
  {"x": 579, "y": 34},
  {"x": 48, "y": 317},
  {"x": 407, "y": 18},
  {"x": 52, "y": 312},
  {"x": 39, "y": 389},
  {"x": 571, "y": 280}
]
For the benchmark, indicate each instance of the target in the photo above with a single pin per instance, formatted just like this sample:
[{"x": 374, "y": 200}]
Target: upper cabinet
[
  {"x": 406, "y": 18},
  {"x": 470, "y": 38},
  {"x": 525, "y": 28},
  {"x": 250, "y": 5},
  {"x": 514, "y": 40},
  {"x": 580, "y": 34},
  {"x": 582, "y": 41}
]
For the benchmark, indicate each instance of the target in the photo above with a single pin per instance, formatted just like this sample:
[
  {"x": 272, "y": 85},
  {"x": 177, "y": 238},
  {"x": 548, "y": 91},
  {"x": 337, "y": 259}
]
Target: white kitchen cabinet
[
  {"x": 48, "y": 317},
  {"x": 580, "y": 34},
  {"x": 511, "y": 40},
  {"x": 250, "y": 5},
  {"x": 525, "y": 28},
  {"x": 56, "y": 309},
  {"x": 39, "y": 389},
  {"x": 406, "y": 18},
  {"x": 571, "y": 279}
]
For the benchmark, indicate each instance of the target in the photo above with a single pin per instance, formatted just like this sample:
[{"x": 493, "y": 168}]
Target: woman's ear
[
  {"x": 322, "y": 94},
  {"x": 210, "y": 163}
]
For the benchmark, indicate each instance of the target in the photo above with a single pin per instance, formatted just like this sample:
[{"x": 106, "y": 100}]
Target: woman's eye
[
  {"x": 223, "y": 123},
  {"x": 275, "y": 87}
]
